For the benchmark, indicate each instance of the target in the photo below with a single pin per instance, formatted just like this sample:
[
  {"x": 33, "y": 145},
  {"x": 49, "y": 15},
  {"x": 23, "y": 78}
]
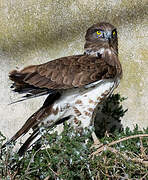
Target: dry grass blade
[
  {"x": 136, "y": 160},
  {"x": 100, "y": 149}
]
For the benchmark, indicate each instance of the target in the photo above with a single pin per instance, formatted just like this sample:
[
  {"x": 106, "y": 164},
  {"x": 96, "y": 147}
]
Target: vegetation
[{"x": 71, "y": 156}]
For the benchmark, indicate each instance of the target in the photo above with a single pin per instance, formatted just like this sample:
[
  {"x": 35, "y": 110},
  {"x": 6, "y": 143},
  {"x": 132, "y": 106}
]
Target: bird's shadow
[{"x": 109, "y": 114}]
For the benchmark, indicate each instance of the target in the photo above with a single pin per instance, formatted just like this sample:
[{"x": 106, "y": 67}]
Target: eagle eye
[
  {"x": 99, "y": 33},
  {"x": 114, "y": 33}
]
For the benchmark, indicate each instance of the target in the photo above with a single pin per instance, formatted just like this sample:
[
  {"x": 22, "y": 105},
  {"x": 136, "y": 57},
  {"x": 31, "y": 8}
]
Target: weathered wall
[{"x": 36, "y": 31}]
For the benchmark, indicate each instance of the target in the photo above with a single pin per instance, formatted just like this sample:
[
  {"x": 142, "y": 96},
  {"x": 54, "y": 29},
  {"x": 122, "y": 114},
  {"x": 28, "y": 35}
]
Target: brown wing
[{"x": 64, "y": 73}]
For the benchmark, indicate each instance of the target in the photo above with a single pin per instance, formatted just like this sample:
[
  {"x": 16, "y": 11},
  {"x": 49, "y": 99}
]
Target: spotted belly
[{"x": 80, "y": 104}]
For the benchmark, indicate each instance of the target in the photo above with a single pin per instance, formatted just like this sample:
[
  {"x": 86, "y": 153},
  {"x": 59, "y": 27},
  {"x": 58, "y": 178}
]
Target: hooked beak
[
  {"x": 108, "y": 36},
  {"x": 109, "y": 41}
]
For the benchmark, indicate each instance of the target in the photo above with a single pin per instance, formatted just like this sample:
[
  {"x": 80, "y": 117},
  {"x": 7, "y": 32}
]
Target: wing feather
[{"x": 64, "y": 73}]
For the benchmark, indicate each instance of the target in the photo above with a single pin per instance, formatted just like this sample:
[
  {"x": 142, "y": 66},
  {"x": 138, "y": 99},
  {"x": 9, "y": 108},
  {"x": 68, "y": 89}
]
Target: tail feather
[
  {"x": 34, "y": 121},
  {"x": 27, "y": 143},
  {"x": 30, "y": 123},
  {"x": 30, "y": 96}
]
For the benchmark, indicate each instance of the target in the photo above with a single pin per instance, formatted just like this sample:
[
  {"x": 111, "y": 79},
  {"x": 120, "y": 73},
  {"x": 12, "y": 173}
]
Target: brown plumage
[
  {"x": 58, "y": 77},
  {"x": 66, "y": 72}
]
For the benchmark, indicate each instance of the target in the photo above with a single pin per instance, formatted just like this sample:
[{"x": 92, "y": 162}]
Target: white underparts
[{"x": 80, "y": 104}]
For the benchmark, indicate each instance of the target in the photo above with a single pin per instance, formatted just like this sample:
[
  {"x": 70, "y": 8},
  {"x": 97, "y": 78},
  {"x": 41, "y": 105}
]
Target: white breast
[
  {"x": 81, "y": 103},
  {"x": 95, "y": 53}
]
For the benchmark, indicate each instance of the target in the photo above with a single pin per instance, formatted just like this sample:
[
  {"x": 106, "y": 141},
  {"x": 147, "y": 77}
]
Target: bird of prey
[{"x": 75, "y": 85}]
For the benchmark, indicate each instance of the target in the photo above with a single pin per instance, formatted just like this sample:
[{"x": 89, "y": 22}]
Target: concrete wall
[{"x": 36, "y": 31}]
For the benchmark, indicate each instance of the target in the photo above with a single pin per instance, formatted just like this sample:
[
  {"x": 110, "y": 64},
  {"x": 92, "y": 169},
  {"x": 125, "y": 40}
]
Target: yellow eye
[
  {"x": 99, "y": 32},
  {"x": 114, "y": 33}
]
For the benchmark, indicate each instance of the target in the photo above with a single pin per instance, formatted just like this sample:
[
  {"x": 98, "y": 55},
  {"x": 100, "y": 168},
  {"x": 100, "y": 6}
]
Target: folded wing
[{"x": 63, "y": 73}]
